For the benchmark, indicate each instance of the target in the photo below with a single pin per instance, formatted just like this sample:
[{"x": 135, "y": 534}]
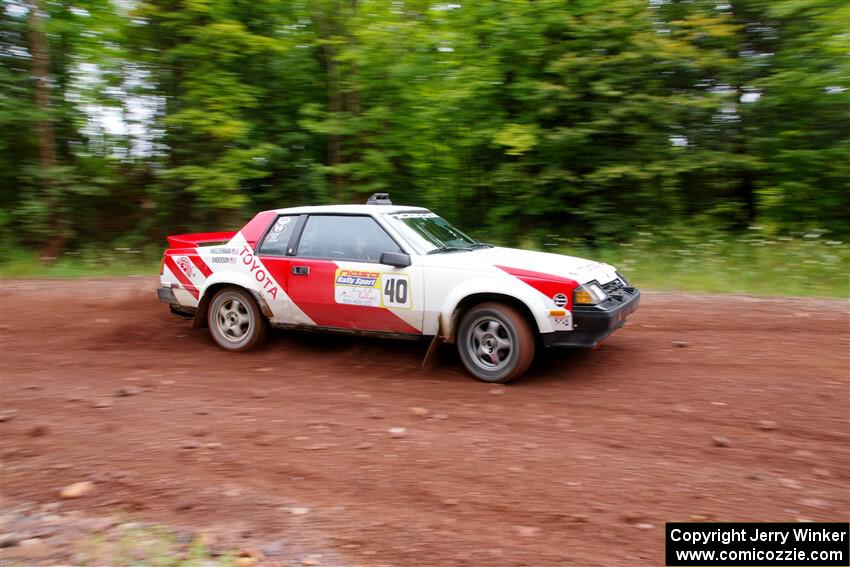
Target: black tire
[
  {"x": 495, "y": 342},
  {"x": 235, "y": 321}
]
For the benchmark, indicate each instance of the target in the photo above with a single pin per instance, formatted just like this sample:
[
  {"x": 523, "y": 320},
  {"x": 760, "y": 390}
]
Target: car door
[
  {"x": 337, "y": 280},
  {"x": 275, "y": 251}
]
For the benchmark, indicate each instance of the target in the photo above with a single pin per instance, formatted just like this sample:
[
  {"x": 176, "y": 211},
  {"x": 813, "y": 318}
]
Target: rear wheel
[
  {"x": 495, "y": 342},
  {"x": 235, "y": 321}
]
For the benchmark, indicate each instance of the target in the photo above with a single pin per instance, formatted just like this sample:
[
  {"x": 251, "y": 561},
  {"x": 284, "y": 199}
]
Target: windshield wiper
[
  {"x": 448, "y": 249},
  {"x": 481, "y": 245}
]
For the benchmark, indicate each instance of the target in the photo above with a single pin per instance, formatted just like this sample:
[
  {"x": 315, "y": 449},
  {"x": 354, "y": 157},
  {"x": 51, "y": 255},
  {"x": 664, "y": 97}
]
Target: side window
[
  {"x": 277, "y": 239},
  {"x": 337, "y": 237}
]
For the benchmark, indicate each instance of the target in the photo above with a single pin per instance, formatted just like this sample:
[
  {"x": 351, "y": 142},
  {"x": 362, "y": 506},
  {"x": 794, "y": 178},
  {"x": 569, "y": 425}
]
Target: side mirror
[{"x": 396, "y": 259}]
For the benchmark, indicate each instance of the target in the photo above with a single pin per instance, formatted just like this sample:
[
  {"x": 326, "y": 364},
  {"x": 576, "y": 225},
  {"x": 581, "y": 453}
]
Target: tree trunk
[
  {"x": 41, "y": 74},
  {"x": 334, "y": 108},
  {"x": 745, "y": 186},
  {"x": 328, "y": 24},
  {"x": 351, "y": 99},
  {"x": 39, "y": 51}
]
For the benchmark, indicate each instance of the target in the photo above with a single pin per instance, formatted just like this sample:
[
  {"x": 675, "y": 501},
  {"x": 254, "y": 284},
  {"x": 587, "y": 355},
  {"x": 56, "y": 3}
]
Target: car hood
[{"x": 560, "y": 265}]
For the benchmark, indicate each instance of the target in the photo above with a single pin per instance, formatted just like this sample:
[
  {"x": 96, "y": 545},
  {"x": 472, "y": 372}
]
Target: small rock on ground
[
  {"x": 397, "y": 432},
  {"x": 633, "y": 517},
  {"x": 37, "y": 431},
  {"x": 9, "y": 539},
  {"x": 818, "y": 503},
  {"x": 77, "y": 489},
  {"x": 128, "y": 391},
  {"x": 721, "y": 441}
]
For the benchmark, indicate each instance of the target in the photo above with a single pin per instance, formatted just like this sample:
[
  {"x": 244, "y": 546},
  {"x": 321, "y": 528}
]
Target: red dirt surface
[{"x": 703, "y": 408}]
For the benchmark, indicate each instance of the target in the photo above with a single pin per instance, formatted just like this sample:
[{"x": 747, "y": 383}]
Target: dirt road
[{"x": 703, "y": 407}]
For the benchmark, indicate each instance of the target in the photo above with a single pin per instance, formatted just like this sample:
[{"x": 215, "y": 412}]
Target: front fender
[{"x": 530, "y": 297}]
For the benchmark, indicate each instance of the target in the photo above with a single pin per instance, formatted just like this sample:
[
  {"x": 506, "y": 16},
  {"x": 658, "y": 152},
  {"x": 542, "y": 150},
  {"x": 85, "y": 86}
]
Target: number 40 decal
[{"x": 396, "y": 291}]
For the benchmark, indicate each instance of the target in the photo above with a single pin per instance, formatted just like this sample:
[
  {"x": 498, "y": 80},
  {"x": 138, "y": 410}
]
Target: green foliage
[
  {"x": 148, "y": 544},
  {"x": 513, "y": 119},
  {"x": 123, "y": 261},
  {"x": 756, "y": 262}
]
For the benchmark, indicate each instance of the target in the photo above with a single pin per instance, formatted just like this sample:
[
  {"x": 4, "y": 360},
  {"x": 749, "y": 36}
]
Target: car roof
[{"x": 349, "y": 209}]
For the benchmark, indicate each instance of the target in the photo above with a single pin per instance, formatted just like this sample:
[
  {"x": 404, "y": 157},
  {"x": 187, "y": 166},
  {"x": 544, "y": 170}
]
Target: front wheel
[
  {"x": 495, "y": 342},
  {"x": 235, "y": 321}
]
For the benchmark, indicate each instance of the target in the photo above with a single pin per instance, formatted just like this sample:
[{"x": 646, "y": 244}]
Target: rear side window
[
  {"x": 277, "y": 239},
  {"x": 336, "y": 237}
]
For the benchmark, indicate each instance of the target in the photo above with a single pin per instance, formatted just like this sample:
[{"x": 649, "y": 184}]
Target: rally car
[{"x": 391, "y": 271}]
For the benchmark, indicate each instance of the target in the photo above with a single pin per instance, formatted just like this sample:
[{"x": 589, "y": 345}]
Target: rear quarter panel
[{"x": 191, "y": 271}]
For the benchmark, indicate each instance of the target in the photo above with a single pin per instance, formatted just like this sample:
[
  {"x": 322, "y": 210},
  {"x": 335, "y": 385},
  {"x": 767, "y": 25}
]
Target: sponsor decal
[
  {"x": 278, "y": 230},
  {"x": 258, "y": 271},
  {"x": 428, "y": 215},
  {"x": 564, "y": 323},
  {"x": 358, "y": 278},
  {"x": 281, "y": 224},
  {"x": 356, "y": 287},
  {"x": 560, "y": 299},
  {"x": 185, "y": 265},
  {"x": 372, "y": 289}
]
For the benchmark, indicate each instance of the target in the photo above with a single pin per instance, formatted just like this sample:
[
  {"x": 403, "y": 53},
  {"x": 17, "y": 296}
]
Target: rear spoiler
[{"x": 192, "y": 240}]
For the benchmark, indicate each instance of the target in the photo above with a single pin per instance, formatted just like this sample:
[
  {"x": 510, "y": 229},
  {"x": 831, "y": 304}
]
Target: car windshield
[{"x": 429, "y": 233}]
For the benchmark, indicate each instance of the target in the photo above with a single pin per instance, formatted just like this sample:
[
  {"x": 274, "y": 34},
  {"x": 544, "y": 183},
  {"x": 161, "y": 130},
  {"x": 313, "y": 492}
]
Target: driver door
[{"x": 337, "y": 280}]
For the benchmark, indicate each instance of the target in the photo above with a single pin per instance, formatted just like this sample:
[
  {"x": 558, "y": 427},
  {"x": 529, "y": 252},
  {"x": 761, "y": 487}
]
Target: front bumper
[{"x": 593, "y": 323}]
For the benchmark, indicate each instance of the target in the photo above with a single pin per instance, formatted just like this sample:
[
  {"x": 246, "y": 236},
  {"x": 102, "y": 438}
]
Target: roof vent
[{"x": 379, "y": 199}]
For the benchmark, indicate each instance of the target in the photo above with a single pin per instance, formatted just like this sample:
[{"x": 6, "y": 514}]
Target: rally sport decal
[{"x": 372, "y": 289}]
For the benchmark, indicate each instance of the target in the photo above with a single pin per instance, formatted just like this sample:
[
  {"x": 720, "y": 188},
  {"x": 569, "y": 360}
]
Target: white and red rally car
[{"x": 393, "y": 271}]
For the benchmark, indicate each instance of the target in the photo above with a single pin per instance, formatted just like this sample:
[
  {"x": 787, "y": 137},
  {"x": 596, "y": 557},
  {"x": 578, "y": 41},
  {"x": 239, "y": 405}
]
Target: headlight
[{"x": 588, "y": 294}]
